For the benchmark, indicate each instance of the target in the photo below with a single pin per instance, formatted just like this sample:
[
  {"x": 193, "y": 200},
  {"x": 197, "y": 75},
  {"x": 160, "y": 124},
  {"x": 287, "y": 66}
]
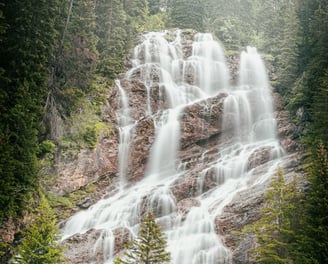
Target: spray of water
[{"x": 192, "y": 238}]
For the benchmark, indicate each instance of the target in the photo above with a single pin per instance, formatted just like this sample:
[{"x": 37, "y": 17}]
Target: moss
[{"x": 66, "y": 204}]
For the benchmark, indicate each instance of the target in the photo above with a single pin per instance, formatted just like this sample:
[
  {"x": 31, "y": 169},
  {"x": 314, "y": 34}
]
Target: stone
[
  {"x": 80, "y": 248},
  {"x": 122, "y": 236},
  {"x": 89, "y": 166},
  {"x": 185, "y": 205},
  {"x": 259, "y": 157}
]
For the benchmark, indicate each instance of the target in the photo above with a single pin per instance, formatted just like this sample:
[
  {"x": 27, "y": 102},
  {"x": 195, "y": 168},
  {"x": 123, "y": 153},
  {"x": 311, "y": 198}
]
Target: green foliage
[
  {"x": 188, "y": 14},
  {"x": 77, "y": 59},
  {"x": 314, "y": 235},
  {"x": 148, "y": 247},
  {"x": 155, "y": 22},
  {"x": 117, "y": 24},
  {"x": 46, "y": 147},
  {"x": 38, "y": 245},
  {"x": 230, "y": 21},
  {"x": 65, "y": 205},
  {"x": 89, "y": 136},
  {"x": 276, "y": 229},
  {"x": 27, "y": 43},
  {"x": 311, "y": 93}
]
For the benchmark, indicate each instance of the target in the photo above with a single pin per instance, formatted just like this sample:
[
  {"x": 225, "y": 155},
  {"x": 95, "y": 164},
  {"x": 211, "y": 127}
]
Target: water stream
[{"x": 192, "y": 238}]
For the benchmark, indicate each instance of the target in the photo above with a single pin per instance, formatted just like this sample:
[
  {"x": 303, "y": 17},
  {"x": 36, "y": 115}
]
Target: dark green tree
[
  {"x": 286, "y": 51},
  {"x": 26, "y": 49},
  {"x": 112, "y": 32},
  {"x": 275, "y": 230},
  {"x": 149, "y": 247},
  {"x": 79, "y": 52},
  {"x": 233, "y": 22},
  {"x": 311, "y": 92},
  {"x": 314, "y": 236},
  {"x": 39, "y": 243},
  {"x": 187, "y": 14}
]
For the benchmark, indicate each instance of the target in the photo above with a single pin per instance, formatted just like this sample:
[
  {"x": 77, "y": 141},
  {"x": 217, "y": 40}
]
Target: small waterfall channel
[{"x": 185, "y": 79}]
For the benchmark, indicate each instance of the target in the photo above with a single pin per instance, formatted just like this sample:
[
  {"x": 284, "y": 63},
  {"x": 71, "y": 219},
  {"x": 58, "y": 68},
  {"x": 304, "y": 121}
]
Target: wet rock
[
  {"x": 185, "y": 205},
  {"x": 259, "y": 157},
  {"x": 143, "y": 138},
  {"x": 184, "y": 187},
  {"x": 85, "y": 203},
  {"x": 89, "y": 247},
  {"x": 243, "y": 210},
  {"x": 286, "y": 132},
  {"x": 202, "y": 120},
  {"x": 122, "y": 236},
  {"x": 80, "y": 248},
  {"x": 89, "y": 166}
]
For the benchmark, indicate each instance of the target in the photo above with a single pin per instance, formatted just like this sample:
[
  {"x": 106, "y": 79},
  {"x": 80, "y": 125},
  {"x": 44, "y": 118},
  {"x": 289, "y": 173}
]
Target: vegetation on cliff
[
  {"x": 39, "y": 242},
  {"x": 148, "y": 247},
  {"x": 58, "y": 60}
]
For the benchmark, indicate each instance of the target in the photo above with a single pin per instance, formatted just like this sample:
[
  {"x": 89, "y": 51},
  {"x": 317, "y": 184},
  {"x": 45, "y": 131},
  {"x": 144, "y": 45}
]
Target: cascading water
[
  {"x": 125, "y": 130},
  {"x": 192, "y": 237}
]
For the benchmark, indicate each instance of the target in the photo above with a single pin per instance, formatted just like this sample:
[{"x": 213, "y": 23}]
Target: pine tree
[
  {"x": 314, "y": 239},
  {"x": 187, "y": 14},
  {"x": 38, "y": 245},
  {"x": 275, "y": 230},
  {"x": 27, "y": 37},
  {"x": 148, "y": 247}
]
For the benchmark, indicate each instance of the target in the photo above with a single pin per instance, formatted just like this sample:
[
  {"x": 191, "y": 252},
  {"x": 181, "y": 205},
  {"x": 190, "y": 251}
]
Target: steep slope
[{"x": 190, "y": 144}]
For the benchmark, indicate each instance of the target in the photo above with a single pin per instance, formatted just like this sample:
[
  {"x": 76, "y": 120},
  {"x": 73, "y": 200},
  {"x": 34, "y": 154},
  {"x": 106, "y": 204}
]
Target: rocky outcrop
[
  {"x": 201, "y": 134},
  {"x": 85, "y": 252},
  {"x": 185, "y": 205},
  {"x": 89, "y": 247},
  {"x": 89, "y": 166}
]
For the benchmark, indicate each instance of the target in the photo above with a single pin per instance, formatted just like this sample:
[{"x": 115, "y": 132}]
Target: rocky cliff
[{"x": 201, "y": 132}]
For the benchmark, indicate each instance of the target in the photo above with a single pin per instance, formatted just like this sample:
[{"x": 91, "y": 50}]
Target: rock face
[
  {"x": 88, "y": 247},
  {"x": 89, "y": 167},
  {"x": 201, "y": 132}
]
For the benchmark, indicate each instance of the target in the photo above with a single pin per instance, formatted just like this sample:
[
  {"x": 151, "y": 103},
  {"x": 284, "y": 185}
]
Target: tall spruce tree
[
  {"x": 149, "y": 247},
  {"x": 26, "y": 49},
  {"x": 187, "y": 14},
  {"x": 314, "y": 236},
  {"x": 39, "y": 243},
  {"x": 275, "y": 230},
  {"x": 113, "y": 34}
]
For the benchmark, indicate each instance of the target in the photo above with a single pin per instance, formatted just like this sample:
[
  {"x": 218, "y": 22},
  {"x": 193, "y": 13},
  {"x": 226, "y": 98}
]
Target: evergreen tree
[
  {"x": 38, "y": 245},
  {"x": 314, "y": 236},
  {"x": 187, "y": 14},
  {"x": 26, "y": 49},
  {"x": 113, "y": 34},
  {"x": 79, "y": 53},
  {"x": 286, "y": 52},
  {"x": 275, "y": 230},
  {"x": 149, "y": 247},
  {"x": 311, "y": 95}
]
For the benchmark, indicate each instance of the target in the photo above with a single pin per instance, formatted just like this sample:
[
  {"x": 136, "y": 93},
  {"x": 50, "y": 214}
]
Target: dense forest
[{"x": 59, "y": 55}]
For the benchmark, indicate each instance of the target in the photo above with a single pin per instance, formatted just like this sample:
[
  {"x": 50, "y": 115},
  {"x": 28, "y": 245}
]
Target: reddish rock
[
  {"x": 89, "y": 166},
  {"x": 259, "y": 157},
  {"x": 201, "y": 121},
  {"x": 243, "y": 210},
  {"x": 143, "y": 138},
  {"x": 80, "y": 248},
  {"x": 286, "y": 130},
  {"x": 122, "y": 236},
  {"x": 285, "y": 126},
  {"x": 185, "y": 205}
]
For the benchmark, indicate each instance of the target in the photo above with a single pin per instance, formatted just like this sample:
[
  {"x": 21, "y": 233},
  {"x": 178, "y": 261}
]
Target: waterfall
[
  {"x": 183, "y": 80},
  {"x": 125, "y": 133}
]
